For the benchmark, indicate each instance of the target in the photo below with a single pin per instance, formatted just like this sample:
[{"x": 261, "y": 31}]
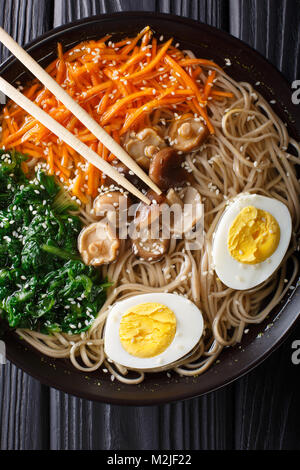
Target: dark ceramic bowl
[{"x": 247, "y": 65}]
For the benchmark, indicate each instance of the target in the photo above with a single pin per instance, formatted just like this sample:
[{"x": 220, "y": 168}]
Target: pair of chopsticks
[{"x": 57, "y": 129}]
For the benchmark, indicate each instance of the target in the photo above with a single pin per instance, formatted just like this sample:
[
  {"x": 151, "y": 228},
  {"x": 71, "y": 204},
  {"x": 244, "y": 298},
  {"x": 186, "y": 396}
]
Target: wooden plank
[
  {"x": 23, "y": 400},
  {"x": 69, "y": 10},
  {"x": 203, "y": 423},
  {"x": 24, "y": 416},
  {"x": 267, "y": 404},
  {"x": 266, "y": 400},
  {"x": 214, "y": 12},
  {"x": 272, "y": 28},
  {"x": 258, "y": 411},
  {"x": 25, "y": 19}
]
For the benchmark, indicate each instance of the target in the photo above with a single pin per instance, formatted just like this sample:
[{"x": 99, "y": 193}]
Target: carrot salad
[{"x": 120, "y": 84}]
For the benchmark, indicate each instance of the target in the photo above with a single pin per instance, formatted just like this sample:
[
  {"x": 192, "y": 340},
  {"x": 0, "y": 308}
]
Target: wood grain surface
[{"x": 260, "y": 410}]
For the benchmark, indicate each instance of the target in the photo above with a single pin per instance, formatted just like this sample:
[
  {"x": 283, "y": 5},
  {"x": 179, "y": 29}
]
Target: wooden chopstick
[
  {"x": 65, "y": 135},
  {"x": 75, "y": 108}
]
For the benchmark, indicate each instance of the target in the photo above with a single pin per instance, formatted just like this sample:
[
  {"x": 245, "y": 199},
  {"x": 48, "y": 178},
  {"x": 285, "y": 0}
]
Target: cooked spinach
[{"x": 44, "y": 285}]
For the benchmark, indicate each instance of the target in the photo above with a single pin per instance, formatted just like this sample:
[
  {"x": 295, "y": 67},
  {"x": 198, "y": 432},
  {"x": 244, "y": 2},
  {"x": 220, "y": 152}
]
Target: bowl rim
[{"x": 291, "y": 306}]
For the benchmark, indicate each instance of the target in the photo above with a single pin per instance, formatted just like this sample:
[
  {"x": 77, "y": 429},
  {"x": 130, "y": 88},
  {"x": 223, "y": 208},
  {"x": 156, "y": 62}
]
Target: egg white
[
  {"x": 189, "y": 330},
  {"x": 241, "y": 276}
]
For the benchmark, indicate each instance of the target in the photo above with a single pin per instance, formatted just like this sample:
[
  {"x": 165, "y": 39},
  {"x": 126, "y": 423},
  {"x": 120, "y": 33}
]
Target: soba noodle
[{"x": 252, "y": 152}]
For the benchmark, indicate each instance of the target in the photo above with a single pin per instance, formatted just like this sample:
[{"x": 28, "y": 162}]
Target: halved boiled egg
[
  {"x": 150, "y": 331},
  {"x": 251, "y": 240}
]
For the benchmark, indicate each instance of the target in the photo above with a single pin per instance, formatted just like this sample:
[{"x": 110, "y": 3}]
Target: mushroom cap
[
  {"x": 187, "y": 134},
  {"x": 151, "y": 250},
  {"x": 148, "y": 214},
  {"x": 98, "y": 244},
  {"x": 110, "y": 201},
  {"x": 129, "y": 175},
  {"x": 173, "y": 198},
  {"x": 144, "y": 145},
  {"x": 147, "y": 221},
  {"x": 191, "y": 214},
  {"x": 166, "y": 170}
]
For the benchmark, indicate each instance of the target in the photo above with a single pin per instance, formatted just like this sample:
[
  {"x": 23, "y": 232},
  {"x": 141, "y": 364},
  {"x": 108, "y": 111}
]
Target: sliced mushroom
[
  {"x": 111, "y": 204},
  {"x": 98, "y": 244},
  {"x": 173, "y": 198},
  {"x": 129, "y": 175},
  {"x": 148, "y": 249},
  {"x": 148, "y": 214},
  {"x": 156, "y": 198},
  {"x": 187, "y": 134},
  {"x": 161, "y": 116},
  {"x": 144, "y": 146},
  {"x": 148, "y": 242},
  {"x": 166, "y": 169},
  {"x": 191, "y": 214}
]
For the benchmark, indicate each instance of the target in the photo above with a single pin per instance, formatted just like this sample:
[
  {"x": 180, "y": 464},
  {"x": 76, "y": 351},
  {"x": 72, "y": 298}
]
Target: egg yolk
[
  {"x": 253, "y": 236},
  {"x": 146, "y": 330}
]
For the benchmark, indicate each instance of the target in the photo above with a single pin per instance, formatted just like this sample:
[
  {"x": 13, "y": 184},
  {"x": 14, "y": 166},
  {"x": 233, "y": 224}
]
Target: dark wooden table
[{"x": 259, "y": 411}]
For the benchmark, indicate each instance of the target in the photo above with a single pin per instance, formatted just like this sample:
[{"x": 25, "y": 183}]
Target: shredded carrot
[
  {"x": 31, "y": 90},
  {"x": 119, "y": 84},
  {"x": 154, "y": 48},
  {"x": 65, "y": 157},
  {"x": 95, "y": 90},
  {"x": 188, "y": 81},
  {"x": 154, "y": 62},
  {"x": 110, "y": 73},
  {"x": 60, "y": 51},
  {"x": 61, "y": 70},
  {"x": 50, "y": 160},
  {"x": 146, "y": 109},
  {"x": 131, "y": 43},
  {"x": 103, "y": 103},
  {"x": 133, "y": 60},
  {"x": 23, "y": 130},
  {"x": 91, "y": 172},
  {"x": 207, "y": 63},
  {"x": 77, "y": 188},
  {"x": 113, "y": 110},
  {"x": 105, "y": 153},
  {"x": 224, "y": 94},
  {"x": 203, "y": 112},
  {"x": 209, "y": 84}
]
